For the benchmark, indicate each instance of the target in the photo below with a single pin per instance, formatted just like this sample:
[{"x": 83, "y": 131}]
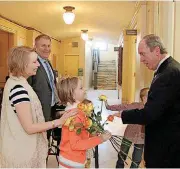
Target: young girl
[
  {"x": 133, "y": 134},
  {"x": 74, "y": 145}
]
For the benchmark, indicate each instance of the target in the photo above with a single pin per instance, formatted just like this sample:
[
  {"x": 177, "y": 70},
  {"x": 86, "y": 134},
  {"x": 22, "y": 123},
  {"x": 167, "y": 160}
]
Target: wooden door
[
  {"x": 6, "y": 42},
  {"x": 71, "y": 65},
  {"x": 120, "y": 57}
]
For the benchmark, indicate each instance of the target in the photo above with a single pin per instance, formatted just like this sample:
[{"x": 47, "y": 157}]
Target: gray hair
[
  {"x": 153, "y": 41},
  {"x": 42, "y": 36}
]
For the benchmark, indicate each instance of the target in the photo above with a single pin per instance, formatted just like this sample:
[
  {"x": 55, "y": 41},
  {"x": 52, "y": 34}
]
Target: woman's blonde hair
[
  {"x": 66, "y": 89},
  {"x": 18, "y": 60}
]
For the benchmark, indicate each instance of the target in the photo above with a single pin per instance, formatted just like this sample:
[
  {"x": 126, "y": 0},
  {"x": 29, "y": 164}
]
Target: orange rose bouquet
[{"x": 93, "y": 122}]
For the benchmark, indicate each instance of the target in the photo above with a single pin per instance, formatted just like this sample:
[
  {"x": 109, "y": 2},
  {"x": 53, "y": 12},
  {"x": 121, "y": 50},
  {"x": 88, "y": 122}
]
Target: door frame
[{"x": 11, "y": 40}]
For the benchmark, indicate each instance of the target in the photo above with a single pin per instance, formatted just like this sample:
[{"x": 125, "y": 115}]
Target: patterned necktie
[{"x": 51, "y": 79}]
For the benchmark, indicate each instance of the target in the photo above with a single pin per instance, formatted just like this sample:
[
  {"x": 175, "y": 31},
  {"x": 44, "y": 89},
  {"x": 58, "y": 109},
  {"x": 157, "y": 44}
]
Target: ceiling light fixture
[
  {"x": 84, "y": 35},
  {"x": 68, "y": 15}
]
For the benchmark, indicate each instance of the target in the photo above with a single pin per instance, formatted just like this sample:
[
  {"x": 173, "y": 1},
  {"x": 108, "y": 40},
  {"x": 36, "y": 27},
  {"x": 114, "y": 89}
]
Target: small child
[
  {"x": 74, "y": 145},
  {"x": 133, "y": 134}
]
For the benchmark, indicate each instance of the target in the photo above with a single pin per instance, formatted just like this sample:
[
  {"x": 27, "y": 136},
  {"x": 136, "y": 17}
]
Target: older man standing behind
[
  {"x": 161, "y": 114},
  {"x": 44, "y": 81}
]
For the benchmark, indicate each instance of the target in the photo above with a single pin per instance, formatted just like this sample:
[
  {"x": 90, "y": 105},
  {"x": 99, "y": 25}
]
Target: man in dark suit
[
  {"x": 44, "y": 81},
  {"x": 161, "y": 114}
]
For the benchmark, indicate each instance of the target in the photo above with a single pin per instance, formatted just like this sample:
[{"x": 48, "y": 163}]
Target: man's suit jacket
[
  {"x": 161, "y": 117},
  {"x": 41, "y": 85}
]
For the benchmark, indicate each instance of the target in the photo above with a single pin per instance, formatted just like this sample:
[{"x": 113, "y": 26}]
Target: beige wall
[
  {"x": 88, "y": 66},
  {"x": 23, "y": 36},
  {"x": 177, "y": 32},
  {"x": 67, "y": 49},
  {"x": 128, "y": 70},
  {"x": 141, "y": 27},
  {"x": 166, "y": 25},
  {"x": 20, "y": 33},
  {"x": 110, "y": 54}
]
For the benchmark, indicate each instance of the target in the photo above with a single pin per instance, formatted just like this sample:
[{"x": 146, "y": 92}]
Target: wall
[
  {"x": 22, "y": 36},
  {"x": 88, "y": 66},
  {"x": 177, "y": 32},
  {"x": 128, "y": 69},
  {"x": 141, "y": 27},
  {"x": 20, "y": 33},
  {"x": 166, "y": 25},
  {"x": 110, "y": 54},
  {"x": 67, "y": 49}
]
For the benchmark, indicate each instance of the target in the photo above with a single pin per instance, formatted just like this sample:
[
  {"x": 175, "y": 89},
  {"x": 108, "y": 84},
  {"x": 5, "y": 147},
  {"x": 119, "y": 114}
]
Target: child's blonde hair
[
  {"x": 86, "y": 101},
  {"x": 66, "y": 89},
  {"x": 144, "y": 92}
]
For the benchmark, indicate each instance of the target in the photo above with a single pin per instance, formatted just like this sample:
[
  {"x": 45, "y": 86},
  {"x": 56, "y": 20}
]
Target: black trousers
[
  {"x": 54, "y": 115},
  {"x": 56, "y": 132}
]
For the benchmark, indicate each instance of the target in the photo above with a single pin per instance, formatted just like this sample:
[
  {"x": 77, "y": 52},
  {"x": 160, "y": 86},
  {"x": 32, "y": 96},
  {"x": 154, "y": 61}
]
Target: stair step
[
  {"x": 109, "y": 64},
  {"x": 106, "y": 88},
  {"x": 106, "y": 80},
  {"x": 106, "y": 70},
  {"x": 106, "y": 76}
]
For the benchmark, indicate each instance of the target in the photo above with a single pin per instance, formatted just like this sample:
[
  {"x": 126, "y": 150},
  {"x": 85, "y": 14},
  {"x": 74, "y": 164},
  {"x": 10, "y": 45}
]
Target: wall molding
[{"x": 23, "y": 26}]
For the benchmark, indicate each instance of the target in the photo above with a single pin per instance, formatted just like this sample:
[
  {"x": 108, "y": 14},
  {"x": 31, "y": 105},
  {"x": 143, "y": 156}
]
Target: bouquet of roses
[
  {"x": 95, "y": 126},
  {"x": 93, "y": 123}
]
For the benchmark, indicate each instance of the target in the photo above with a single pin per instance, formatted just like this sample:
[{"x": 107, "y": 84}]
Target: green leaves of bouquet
[{"x": 97, "y": 123}]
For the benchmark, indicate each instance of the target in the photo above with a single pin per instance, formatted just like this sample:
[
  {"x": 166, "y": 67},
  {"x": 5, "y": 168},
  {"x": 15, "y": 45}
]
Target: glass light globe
[
  {"x": 84, "y": 36},
  {"x": 68, "y": 17}
]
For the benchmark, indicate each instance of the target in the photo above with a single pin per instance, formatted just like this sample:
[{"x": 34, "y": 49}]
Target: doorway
[
  {"x": 71, "y": 65},
  {"x": 6, "y": 42}
]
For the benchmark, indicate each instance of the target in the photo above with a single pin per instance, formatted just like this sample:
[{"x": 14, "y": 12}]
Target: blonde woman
[{"x": 23, "y": 141}]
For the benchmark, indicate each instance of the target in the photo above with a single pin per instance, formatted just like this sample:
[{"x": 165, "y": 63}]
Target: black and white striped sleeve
[{"x": 18, "y": 95}]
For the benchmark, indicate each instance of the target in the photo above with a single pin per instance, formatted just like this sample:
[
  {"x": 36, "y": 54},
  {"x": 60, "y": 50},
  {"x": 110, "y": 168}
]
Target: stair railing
[{"x": 96, "y": 61}]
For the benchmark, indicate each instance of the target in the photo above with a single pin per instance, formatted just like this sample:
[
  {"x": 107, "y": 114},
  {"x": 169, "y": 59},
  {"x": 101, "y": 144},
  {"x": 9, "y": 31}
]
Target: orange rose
[
  {"x": 90, "y": 107},
  {"x": 81, "y": 106},
  {"x": 88, "y": 123},
  {"x": 110, "y": 118},
  {"x": 68, "y": 121}
]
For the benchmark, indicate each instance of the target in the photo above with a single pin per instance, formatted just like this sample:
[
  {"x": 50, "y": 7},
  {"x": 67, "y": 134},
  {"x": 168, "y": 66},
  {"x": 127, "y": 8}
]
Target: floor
[{"x": 107, "y": 154}]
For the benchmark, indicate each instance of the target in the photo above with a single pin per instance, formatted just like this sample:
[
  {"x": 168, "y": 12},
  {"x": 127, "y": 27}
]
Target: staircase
[{"x": 106, "y": 75}]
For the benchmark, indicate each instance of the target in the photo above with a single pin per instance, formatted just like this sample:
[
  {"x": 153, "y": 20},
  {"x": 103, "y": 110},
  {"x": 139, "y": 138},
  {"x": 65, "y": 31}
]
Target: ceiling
[{"x": 104, "y": 20}]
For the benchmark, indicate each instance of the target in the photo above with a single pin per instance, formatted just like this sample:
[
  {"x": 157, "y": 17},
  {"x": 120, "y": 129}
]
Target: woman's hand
[{"x": 66, "y": 115}]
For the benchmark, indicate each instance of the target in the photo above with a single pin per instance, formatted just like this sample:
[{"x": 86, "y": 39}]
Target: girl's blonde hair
[
  {"x": 66, "y": 89},
  {"x": 144, "y": 92}
]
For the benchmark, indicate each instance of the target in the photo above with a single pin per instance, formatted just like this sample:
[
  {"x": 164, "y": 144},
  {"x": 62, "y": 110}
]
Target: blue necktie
[
  {"x": 55, "y": 98},
  {"x": 51, "y": 80}
]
